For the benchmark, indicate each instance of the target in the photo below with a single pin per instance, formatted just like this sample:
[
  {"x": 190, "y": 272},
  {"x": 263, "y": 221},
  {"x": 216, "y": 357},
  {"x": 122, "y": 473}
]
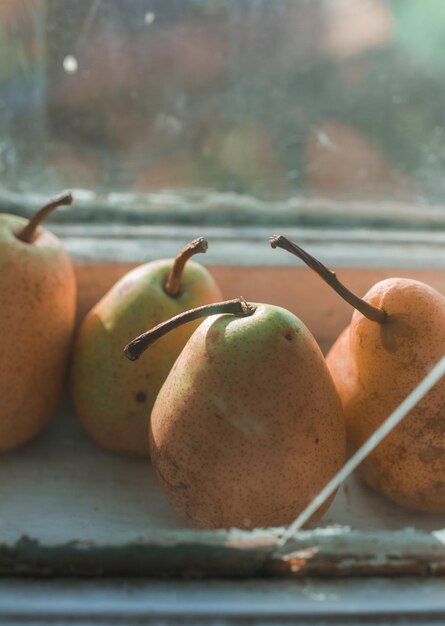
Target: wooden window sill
[
  {"x": 76, "y": 510},
  {"x": 92, "y": 513},
  {"x": 244, "y": 264}
]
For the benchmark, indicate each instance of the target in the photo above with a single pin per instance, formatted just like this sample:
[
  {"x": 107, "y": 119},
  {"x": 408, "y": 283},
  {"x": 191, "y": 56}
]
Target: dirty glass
[{"x": 263, "y": 103}]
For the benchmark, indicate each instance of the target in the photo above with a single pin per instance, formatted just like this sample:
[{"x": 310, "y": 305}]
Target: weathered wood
[
  {"x": 69, "y": 508},
  {"x": 248, "y": 246},
  {"x": 215, "y": 602},
  {"x": 207, "y": 207}
]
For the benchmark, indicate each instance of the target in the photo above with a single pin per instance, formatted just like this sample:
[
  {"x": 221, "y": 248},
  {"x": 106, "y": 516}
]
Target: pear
[
  {"x": 248, "y": 426},
  {"x": 112, "y": 399},
  {"x": 38, "y": 301},
  {"x": 396, "y": 335}
]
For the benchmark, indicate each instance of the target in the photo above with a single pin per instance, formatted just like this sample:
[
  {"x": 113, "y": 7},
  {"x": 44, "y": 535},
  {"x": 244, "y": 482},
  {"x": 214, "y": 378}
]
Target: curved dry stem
[
  {"x": 135, "y": 348},
  {"x": 173, "y": 284},
  {"x": 373, "y": 313},
  {"x": 28, "y": 232}
]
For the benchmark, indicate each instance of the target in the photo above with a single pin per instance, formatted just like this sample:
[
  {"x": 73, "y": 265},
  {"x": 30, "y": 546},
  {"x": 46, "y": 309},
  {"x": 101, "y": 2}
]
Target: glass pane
[{"x": 316, "y": 98}]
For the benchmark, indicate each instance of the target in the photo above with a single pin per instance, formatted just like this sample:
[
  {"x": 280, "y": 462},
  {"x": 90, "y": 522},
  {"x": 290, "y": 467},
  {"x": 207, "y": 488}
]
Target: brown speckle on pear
[
  {"x": 250, "y": 437},
  {"x": 38, "y": 299},
  {"x": 374, "y": 375}
]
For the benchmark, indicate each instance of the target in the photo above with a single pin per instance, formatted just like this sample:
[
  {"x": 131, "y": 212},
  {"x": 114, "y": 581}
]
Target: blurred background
[{"x": 333, "y": 98}]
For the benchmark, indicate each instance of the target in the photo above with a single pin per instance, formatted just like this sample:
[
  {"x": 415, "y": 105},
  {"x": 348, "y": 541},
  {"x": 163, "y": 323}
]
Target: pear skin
[
  {"x": 374, "y": 367},
  {"x": 113, "y": 398},
  {"x": 248, "y": 426},
  {"x": 38, "y": 302}
]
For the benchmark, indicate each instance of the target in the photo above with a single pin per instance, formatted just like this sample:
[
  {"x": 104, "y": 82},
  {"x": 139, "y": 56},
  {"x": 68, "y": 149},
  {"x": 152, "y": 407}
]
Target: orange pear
[
  {"x": 396, "y": 335},
  {"x": 248, "y": 426},
  {"x": 38, "y": 302}
]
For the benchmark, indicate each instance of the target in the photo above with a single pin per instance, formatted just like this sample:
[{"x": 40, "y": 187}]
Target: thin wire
[{"x": 391, "y": 422}]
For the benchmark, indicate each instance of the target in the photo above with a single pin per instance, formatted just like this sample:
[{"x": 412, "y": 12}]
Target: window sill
[
  {"x": 101, "y": 528},
  {"x": 244, "y": 264},
  {"x": 266, "y": 602},
  {"x": 92, "y": 513},
  {"x": 248, "y": 246}
]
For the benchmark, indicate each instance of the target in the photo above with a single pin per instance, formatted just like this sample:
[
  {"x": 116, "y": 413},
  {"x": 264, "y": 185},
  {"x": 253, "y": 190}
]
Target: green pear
[
  {"x": 38, "y": 303},
  {"x": 248, "y": 426},
  {"x": 112, "y": 399}
]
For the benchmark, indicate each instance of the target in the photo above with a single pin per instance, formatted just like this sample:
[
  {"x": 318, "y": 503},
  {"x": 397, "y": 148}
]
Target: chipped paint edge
[{"x": 326, "y": 552}]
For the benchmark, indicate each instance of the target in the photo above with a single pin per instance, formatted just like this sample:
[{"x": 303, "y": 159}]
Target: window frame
[{"x": 101, "y": 254}]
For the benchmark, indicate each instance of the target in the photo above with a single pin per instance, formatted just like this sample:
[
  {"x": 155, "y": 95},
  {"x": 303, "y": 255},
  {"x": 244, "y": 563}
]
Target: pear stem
[
  {"x": 373, "y": 313},
  {"x": 135, "y": 348},
  {"x": 173, "y": 284},
  {"x": 28, "y": 232}
]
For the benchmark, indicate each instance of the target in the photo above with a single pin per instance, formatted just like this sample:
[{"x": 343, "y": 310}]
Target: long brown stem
[
  {"x": 373, "y": 313},
  {"x": 135, "y": 348},
  {"x": 173, "y": 284},
  {"x": 28, "y": 232}
]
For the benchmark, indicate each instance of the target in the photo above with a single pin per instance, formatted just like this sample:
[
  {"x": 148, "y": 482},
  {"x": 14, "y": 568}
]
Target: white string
[{"x": 391, "y": 422}]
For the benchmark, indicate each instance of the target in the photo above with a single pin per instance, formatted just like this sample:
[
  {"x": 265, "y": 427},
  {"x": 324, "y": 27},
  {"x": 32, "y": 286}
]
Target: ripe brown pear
[
  {"x": 113, "y": 400},
  {"x": 396, "y": 335},
  {"x": 38, "y": 301},
  {"x": 248, "y": 426}
]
